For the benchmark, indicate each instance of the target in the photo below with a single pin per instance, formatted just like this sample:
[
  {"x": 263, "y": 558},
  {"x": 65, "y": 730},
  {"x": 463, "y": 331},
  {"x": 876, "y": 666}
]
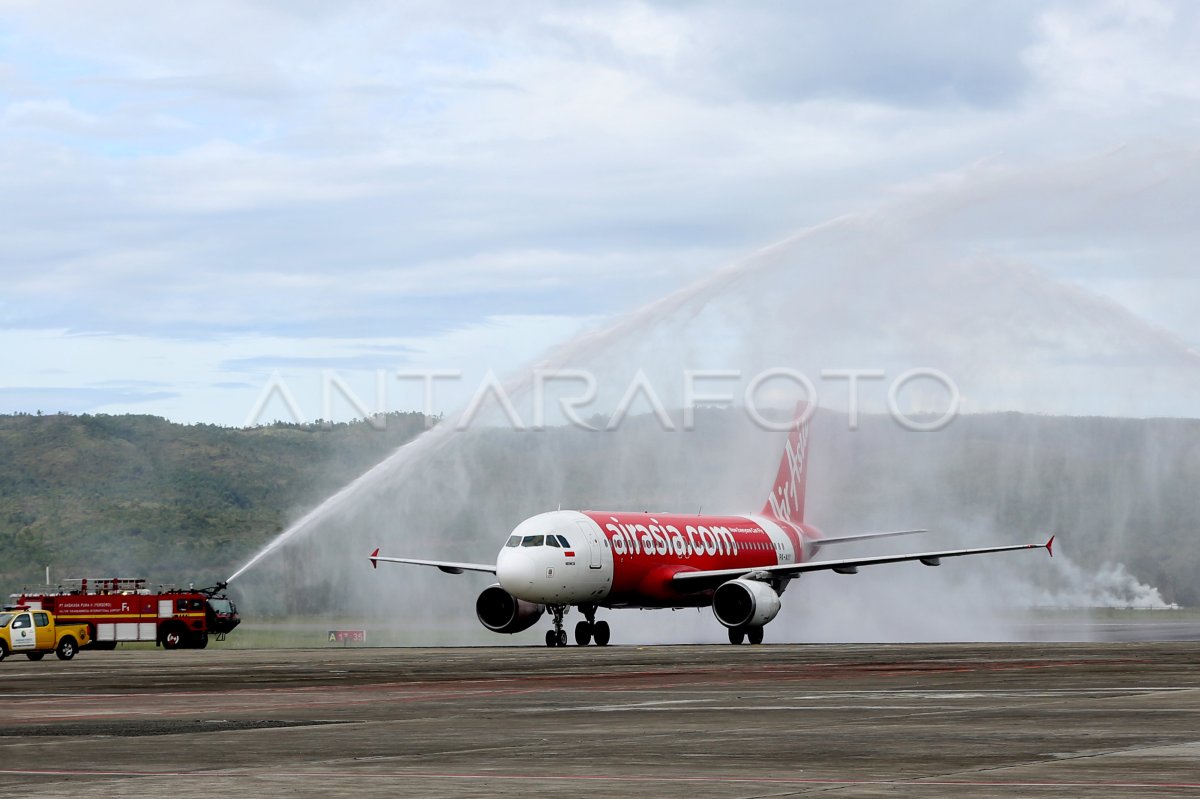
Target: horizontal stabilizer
[{"x": 845, "y": 539}]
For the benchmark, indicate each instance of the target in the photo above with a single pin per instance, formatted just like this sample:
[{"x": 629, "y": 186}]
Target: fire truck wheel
[
  {"x": 106, "y": 645},
  {"x": 35, "y": 655},
  {"x": 173, "y": 637},
  {"x": 200, "y": 641},
  {"x": 66, "y": 648}
]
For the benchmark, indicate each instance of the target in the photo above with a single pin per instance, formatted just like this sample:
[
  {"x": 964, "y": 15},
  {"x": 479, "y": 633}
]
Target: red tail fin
[{"x": 786, "y": 500}]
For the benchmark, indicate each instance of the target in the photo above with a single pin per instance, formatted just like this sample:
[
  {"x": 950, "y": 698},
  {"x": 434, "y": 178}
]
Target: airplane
[{"x": 738, "y": 565}]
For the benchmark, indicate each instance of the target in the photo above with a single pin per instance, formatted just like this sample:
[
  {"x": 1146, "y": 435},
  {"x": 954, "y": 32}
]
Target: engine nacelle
[
  {"x": 501, "y": 612},
  {"x": 745, "y": 603}
]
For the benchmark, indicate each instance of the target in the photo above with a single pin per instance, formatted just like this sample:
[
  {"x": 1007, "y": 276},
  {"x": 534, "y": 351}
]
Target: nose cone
[{"x": 515, "y": 570}]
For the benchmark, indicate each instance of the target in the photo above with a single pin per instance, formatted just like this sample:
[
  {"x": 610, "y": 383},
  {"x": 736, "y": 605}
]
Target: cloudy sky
[{"x": 194, "y": 197}]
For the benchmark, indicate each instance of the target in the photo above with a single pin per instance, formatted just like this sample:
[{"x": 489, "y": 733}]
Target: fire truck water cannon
[{"x": 124, "y": 609}]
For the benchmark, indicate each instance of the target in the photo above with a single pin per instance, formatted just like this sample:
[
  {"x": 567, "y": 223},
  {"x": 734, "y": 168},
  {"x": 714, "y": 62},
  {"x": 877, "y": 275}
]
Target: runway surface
[{"x": 1008, "y": 720}]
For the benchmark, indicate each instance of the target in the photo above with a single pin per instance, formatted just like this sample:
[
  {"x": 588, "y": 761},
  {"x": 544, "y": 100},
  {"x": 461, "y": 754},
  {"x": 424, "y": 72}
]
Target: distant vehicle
[
  {"x": 740, "y": 565},
  {"x": 123, "y": 609},
  {"x": 33, "y": 633}
]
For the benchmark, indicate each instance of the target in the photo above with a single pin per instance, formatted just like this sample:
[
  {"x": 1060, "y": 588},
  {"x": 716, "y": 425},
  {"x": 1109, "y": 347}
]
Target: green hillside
[{"x": 140, "y": 496}]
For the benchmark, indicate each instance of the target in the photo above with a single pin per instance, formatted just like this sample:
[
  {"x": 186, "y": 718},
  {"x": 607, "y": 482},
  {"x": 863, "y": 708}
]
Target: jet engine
[
  {"x": 745, "y": 603},
  {"x": 501, "y": 612}
]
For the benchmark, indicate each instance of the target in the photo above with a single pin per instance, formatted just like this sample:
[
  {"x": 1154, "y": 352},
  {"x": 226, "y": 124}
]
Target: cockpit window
[
  {"x": 513, "y": 541},
  {"x": 562, "y": 539},
  {"x": 552, "y": 541},
  {"x": 533, "y": 540}
]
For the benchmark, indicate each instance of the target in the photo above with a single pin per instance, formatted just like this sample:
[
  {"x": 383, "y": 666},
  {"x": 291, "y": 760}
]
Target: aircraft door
[
  {"x": 592, "y": 533},
  {"x": 21, "y": 633}
]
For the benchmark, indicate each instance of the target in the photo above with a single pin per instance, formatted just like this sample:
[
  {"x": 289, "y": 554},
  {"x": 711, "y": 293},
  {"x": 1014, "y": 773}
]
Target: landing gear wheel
[
  {"x": 583, "y": 633},
  {"x": 557, "y": 636},
  {"x": 66, "y": 648},
  {"x": 35, "y": 655},
  {"x": 600, "y": 633},
  {"x": 755, "y": 634},
  {"x": 736, "y": 635}
]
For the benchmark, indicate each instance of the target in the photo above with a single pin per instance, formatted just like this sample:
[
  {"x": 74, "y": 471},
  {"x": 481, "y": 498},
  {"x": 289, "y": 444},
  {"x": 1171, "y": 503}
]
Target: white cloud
[
  {"x": 256, "y": 170},
  {"x": 55, "y": 115},
  {"x": 1113, "y": 56},
  {"x": 220, "y": 380}
]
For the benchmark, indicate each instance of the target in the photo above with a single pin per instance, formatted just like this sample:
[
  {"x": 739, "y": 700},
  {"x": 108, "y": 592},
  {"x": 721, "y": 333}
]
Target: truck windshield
[
  {"x": 221, "y": 605},
  {"x": 5, "y": 618}
]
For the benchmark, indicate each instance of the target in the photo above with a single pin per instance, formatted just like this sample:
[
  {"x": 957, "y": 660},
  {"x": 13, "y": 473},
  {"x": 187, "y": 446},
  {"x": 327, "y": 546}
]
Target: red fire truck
[{"x": 120, "y": 609}]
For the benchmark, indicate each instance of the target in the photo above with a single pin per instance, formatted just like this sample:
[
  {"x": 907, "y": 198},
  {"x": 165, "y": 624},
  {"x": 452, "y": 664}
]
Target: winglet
[
  {"x": 1050, "y": 546},
  {"x": 375, "y": 554}
]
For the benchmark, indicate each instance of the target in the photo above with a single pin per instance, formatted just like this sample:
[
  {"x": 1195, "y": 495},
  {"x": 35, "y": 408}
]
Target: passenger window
[
  {"x": 533, "y": 540},
  {"x": 180, "y": 605},
  {"x": 41, "y": 619},
  {"x": 551, "y": 541},
  {"x": 513, "y": 541},
  {"x": 21, "y": 622}
]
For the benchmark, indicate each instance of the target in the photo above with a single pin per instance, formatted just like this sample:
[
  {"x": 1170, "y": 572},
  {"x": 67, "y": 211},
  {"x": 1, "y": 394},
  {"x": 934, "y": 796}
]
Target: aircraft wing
[
  {"x": 699, "y": 580},
  {"x": 449, "y": 567}
]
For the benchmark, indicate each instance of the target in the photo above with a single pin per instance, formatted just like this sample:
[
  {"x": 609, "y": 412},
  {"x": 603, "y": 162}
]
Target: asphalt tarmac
[{"x": 1007, "y": 720}]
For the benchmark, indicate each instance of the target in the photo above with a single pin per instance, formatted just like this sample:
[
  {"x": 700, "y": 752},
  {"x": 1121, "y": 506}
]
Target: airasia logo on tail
[{"x": 786, "y": 500}]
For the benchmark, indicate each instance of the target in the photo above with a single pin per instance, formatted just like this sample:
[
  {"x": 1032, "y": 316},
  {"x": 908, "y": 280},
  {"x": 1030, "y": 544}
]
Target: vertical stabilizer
[{"x": 786, "y": 500}]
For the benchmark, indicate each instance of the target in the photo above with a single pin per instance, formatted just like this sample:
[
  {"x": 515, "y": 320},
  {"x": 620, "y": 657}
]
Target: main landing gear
[
  {"x": 591, "y": 630},
  {"x": 739, "y": 634},
  {"x": 585, "y": 631}
]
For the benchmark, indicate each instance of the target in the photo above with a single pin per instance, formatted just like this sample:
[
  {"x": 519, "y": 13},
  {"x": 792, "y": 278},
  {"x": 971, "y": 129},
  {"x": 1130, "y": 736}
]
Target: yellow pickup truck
[{"x": 33, "y": 633}]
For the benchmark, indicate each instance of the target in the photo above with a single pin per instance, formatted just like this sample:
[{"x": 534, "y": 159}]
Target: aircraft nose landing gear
[{"x": 557, "y": 636}]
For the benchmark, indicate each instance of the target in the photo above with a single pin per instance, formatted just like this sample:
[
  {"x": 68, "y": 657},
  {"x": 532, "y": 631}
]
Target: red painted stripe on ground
[{"x": 616, "y": 778}]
